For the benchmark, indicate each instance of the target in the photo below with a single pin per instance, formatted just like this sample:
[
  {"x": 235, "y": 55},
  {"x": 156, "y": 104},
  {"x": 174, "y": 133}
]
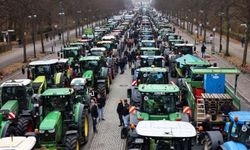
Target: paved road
[{"x": 244, "y": 79}]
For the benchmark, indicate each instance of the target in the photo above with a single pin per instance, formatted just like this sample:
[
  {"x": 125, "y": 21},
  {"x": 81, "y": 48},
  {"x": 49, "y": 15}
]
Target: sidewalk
[{"x": 243, "y": 80}]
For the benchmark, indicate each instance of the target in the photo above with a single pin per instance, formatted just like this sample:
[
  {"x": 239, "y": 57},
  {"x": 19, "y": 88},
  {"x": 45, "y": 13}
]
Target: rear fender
[
  {"x": 3, "y": 127},
  {"x": 58, "y": 78},
  {"x": 104, "y": 72},
  {"x": 77, "y": 112}
]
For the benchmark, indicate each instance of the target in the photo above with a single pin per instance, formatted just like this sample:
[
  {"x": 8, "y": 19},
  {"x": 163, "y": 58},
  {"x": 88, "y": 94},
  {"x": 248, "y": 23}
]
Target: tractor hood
[
  {"x": 88, "y": 75},
  {"x": 11, "y": 105},
  {"x": 231, "y": 145},
  {"x": 172, "y": 116},
  {"x": 50, "y": 121}
]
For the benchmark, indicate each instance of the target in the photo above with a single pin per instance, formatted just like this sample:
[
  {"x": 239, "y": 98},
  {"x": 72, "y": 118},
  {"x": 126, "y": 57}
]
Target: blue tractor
[{"x": 236, "y": 134}]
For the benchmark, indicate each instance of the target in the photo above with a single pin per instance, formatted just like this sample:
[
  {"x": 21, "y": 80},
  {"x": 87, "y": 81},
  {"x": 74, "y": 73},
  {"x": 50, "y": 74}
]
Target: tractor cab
[
  {"x": 98, "y": 51},
  {"x": 172, "y": 42},
  {"x": 183, "y": 49},
  {"x": 157, "y": 61},
  {"x": 163, "y": 135},
  {"x": 158, "y": 102},
  {"x": 150, "y": 51},
  {"x": 182, "y": 65},
  {"x": 151, "y": 75},
  {"x": 73, "y": 53},
  {"x": 109, "y": 45},
  {"x": 147, "y": 43},
  {"x": 19, "y": 90}
]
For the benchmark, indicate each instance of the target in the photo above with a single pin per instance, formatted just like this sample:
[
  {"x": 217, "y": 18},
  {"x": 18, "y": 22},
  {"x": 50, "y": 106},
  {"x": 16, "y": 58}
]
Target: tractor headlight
[
  {"x": 145, "y": 98},
  {"x": 41, "y": 131},
  {"x": 51, "y": 131},
  {"x": 36, "y": 105}
]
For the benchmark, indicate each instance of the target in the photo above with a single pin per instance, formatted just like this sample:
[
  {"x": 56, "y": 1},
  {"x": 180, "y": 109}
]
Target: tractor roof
[
  {"x": 184, "y": 44},
  {"x": 77, "y": 44},
  {"x": 78, "y": 81},
  {"x": 150, "y": 48},
  {"x": 98, "y": 49},
  {"x": 242, "y": 116},
  {"x": 191, "y": 60},
  {"x": 173, "y": 40},
  {"x": 17, "y": 143},
  {"x": 71, "y": 48},
  {"x": 16, "y": 82},
  {"x": 152, "y": 69},
  {"x": 151, "y": 57},
  {"x": 104, "y": 42},
  {"x": 88, "y": 58},
  {"x": 108, "y": 37},
  {"x": 151, "y": 41},
  {"x": 58, "y": 92},
  {"x": 62, "y": 60},
  {"x": 43, "y": 62},
  {"x": 152, "y": 88},
  {"x": 214, "y": 70},
  {"x": 166, "y": 129}
]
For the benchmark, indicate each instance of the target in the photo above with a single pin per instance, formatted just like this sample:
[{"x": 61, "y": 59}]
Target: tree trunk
[
  {"x": 23, "y": 38},
  {"x": 42, "y": 43},
  {"x": 228, "y": 31},
  {"x": 244, "y": 60}
]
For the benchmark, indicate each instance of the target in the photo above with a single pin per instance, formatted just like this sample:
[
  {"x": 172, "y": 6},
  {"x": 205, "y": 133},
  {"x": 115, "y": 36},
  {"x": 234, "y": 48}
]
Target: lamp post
[
  {"x": 78, "y": 21},
  {"x": 213, "y": 41},
  {"x": 32, "y": 18},
  {"x": 221, "y": 19},
  {"x": 61, "y": 14}
]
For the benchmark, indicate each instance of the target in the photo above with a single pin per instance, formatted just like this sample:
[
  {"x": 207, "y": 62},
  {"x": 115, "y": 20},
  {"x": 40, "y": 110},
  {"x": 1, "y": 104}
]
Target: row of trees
[
  {"x": 231, "y": 16},
  {"x": 43, "y": 16}
]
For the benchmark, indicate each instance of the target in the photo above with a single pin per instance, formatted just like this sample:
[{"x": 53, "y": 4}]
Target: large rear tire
[
  {"x": 213, "y": 140},
  {"x": 24, "y": 125},
  {"x": 72, "y": 142},
  {"x": 101, "y": 88},
  {"x": 84, "y": 126},
  {"x": 9, "y": 131},
  {"x": 207, "y": 143}
]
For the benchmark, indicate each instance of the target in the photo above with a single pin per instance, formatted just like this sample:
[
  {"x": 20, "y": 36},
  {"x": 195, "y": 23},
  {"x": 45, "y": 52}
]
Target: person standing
[
  {"x": 119, "y": 112},
  {"x": 94, "y": 114},
  {"x": 203, "y": 50},
  {"x": 125, "y": 113},
  {"x": 101, "y": 104},
  {"x": 122, "y": 64}
]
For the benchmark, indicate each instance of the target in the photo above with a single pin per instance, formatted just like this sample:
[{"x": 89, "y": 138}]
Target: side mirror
[
  {"x": 226, "y": 128},
  {"x": 129, "y": 93}
]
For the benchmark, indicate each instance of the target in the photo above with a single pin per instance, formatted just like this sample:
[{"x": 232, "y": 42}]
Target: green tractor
[
  {"x": 19, "y": 112},
  {"x": 48, "y": 73},
  {"x": 97, "y": 74},
  {"x": 65, "y": 123},
  {"x": 157, "y": 102},
  {"x": 206, "y": 92},
  {"x": 73, "y": 54}
]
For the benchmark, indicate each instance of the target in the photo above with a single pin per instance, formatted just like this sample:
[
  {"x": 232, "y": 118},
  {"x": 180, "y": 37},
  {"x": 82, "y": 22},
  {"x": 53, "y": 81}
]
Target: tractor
[
  {"x": 65, "y": 123},
  {"x": 97, "y": 74},
  {"x": 49, "y": 73},
  {"x": 236, "y": 133},
  {"x": 82, "y": 92},
  {"x": 111, "y": 46},
  {"x": 162, "y": 135},
  {"x": 205, "y": 92},
  {"x": 73, "y": 54},
  {"x": 20, "y": 112},
  {"x": 180, "y": 68}
]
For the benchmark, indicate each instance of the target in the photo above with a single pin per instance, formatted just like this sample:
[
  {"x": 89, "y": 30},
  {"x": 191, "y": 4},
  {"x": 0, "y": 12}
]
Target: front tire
[
  {"x": 102, "y": 89},
  {"x": 72, "y": 142}
]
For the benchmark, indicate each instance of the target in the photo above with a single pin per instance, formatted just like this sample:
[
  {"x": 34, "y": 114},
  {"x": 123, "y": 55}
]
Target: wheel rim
[
  {"x": 77, "y": 145},
  {"x": 86, "y": 126}
]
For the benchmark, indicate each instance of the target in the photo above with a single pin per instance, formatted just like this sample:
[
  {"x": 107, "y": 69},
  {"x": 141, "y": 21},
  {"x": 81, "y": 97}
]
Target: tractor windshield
[
  {"x": 13, "y": 93},
  {"x": 153, "y": 78},
  {"x": 108, "y": 46},
  {"x": 68, "y": 54},
  {"x": 151, "y": 53},
  {"x": 184, "y": 50},
  {"x": 244, "y": 135},
  {"x": 90, "y": 65},
  {"x": 147, "y": 62},
  {"x": 55, "y": 103},
  {"x": 148, "y": 44},
  {"x": 41, "y": 70},
  {"x": 159, "y": 104}
]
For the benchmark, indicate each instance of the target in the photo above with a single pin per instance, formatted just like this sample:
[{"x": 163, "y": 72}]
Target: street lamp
[
  {"x": 221, "y": 19},
  {"x": 78, "y": 21},
  {"x": 213, "y": 41},
  {"x": 32, "y": 18},
  {"x": 61, "y": 14}
]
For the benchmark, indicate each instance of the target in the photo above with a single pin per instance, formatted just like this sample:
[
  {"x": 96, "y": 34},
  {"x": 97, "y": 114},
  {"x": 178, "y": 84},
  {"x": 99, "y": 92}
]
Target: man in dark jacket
[
  {"x": 119, "y": 110},
  {"x": 94, "y": 114},
  {"x": 101, "y": 103},
  {"x": 125, "y": 113}
]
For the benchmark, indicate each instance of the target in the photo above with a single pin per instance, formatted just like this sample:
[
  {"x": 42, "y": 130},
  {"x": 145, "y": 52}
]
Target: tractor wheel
[
  {"x": 207, "y": 143},
  {"x": 101, "y": 88},
  {"x": 72, "y": 142},
  {"x": 84, "y": 125},
  {"x": 9, "y": 131},
  {"x": 24, "y": 125}
]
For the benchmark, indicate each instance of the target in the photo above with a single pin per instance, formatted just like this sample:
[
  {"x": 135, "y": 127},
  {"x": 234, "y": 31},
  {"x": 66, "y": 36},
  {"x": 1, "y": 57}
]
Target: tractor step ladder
[{"x": 200, "y": 113}]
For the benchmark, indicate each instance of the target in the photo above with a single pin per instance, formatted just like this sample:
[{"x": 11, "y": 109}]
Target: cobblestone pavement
[
  {"x": 243, "y": 80},
  {"x": 108, "y": 136}
]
